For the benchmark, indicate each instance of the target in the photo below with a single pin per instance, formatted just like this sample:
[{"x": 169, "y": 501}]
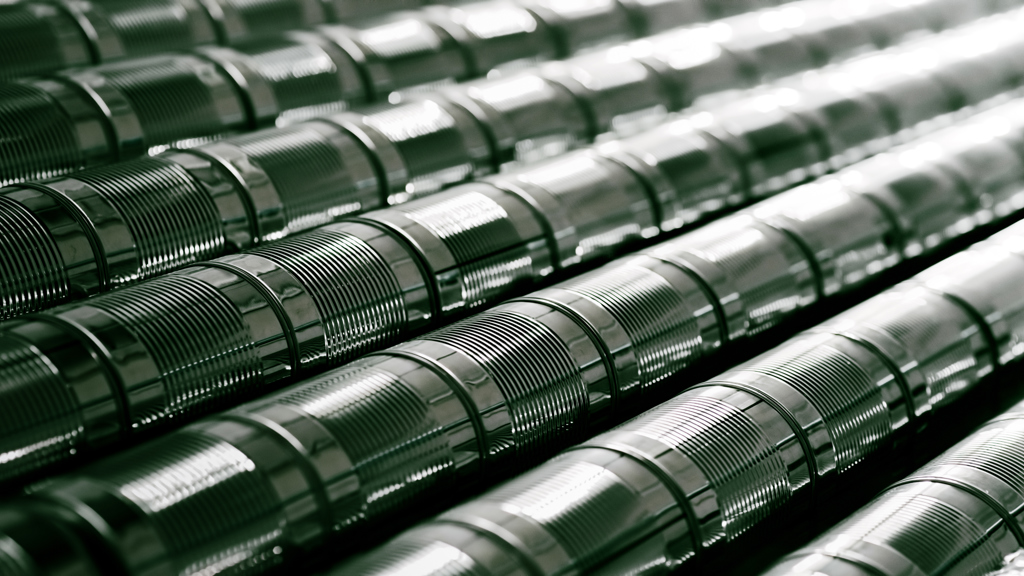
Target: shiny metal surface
[
  {"x": 958, "y": 514},
  {"x": 623, "y": 88},
  {"x": 327, "y": 324},
  {"x": 764, "y": 441},
  {"x": 376, "y": 279},
  {"x": 487, "y": 395},
  {"x": 273, "y": 183}
]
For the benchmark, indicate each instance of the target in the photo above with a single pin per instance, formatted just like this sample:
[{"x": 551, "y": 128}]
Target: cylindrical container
[
  {"x": 404, "y": 51},
  {"x": 524, "y": 413},
  {"x": 366, "y": 286},
  {"x": 693, "y": 63},
  {"x": 579, "y": 25},
  {"x": 913, "y": 100},
  {"x": 981, "y": 279},
  {"x": 929, "y": 203},
  {"x": 420, "y": 146},
  {"x": 384, "y": 425},
  {"x": 47, "y": 129},
  {"x": 593, "y": 206},
  {"x": 245, "y": 483},
  {"x": 132, "y": 359},
  {"x": 933, "y": 343},
  {"x": 291, "y": 78},
  {"x": 654, "y": 319},
  {"x": 162, "y": 101},
  {"x": 762, "y": 41},
  {"x": 527, "y": 116},
  {"x": 691, "y": 174},
  {"x": 777, "y": 148},
  {"x": 853, "y": 125},
  {"x": 242, "y": 21},
  {"x": 982, "y": 155},
  {"x": 757, "y": 274},
  {"x": 132, "y": 28},
  {"x": 956, "y": 515},
  {"x": 496, "y": 34},
  {"x": 850, "y": 238},
  {"x": 36, "y": 38},
  {"x": 296, "y": 178},
  {"x": 104, "y": 228},
  {"x": 476, "y": 242},
  {"x": 922, "y": 528},
  {"x": 620, "y": 94}
]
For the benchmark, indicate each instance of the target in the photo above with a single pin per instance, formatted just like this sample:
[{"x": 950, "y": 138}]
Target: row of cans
[
  {"x": 109, "y": 227},
  {"x": 960, "y": 514},
  {"x": 770, "y": 440},
  {"x": 38, "y": 37},
  {"x": 359, "y": 448},
  {"x": 115, "y": 112},
  {"x": 185, "y": 343}
]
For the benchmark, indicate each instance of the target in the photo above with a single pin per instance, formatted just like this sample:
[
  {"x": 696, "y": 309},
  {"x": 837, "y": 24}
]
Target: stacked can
[
  {"x": 364, "y": 444},
  {"x": 316, "y": 300},
  {"x": 108, "y": 227},
  {"x": 115, "y": 112},
  {"x": 960, "y": 514},
  {"x": 771, "y": 436},
  {"x": 37, "y": 37}
]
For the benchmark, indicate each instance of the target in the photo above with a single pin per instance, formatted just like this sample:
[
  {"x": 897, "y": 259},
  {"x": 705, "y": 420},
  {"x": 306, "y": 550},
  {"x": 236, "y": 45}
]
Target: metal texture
[
  {"x": 529, "y": 115},
  {"x": 273, "y": 183},
  {"x": 359, "y": 446},
  {"x": 346, "y": 289},
  {"x": 959, "y": 514},
  {"x": 773, "y": 437}
]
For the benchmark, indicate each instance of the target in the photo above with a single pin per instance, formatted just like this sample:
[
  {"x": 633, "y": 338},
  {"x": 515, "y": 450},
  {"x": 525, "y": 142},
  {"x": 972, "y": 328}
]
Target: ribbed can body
[
  {"x": 38, "y": 38},
  {"x": 774, "y": 435},
  {"x": 47, "y": 131},
  {"x": 413, "y": 425},
  {"x": 957, "y": 514}
]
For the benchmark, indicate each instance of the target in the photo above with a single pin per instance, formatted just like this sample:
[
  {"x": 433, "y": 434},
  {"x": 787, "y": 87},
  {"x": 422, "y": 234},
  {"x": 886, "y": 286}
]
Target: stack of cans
[
  {"x": 777, "y": 435},
  {"x": 360, "y": 446},
  {"x": 107, "y": 227},
  {"x": 295, "y": 307},
  {"x": 37, "y": 37},
  {"x": 326, "y": 324},
  {"x": 957, "y": 515},
  {"x": 89, "y": 116}
]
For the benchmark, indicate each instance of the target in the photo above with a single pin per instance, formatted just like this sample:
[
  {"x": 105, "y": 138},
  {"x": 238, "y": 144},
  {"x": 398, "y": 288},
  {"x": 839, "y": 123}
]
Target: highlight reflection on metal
[
  {"x": 89, "y": 116},
  {"x": 351, "y": 449},
  {"x": 770, "y": 436},
  {"x": 108, "y": 227},
  {"x": 295, "y": 307},
  {"x": 102, "y": 114},
  {"x": 37, "y": 37},
  {"x": 960, "y": 514}
]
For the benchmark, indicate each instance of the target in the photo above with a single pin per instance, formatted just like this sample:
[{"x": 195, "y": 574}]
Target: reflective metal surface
[
  {"x": 273, "y": 183},
  {"x": 490, "y": 394},
  {"x": 300, "y": 74},
  {"x": 770, "y": 439},
  {"x": 353, "y": 287},
  {"x": 325, "y": 322},
  {"x": 957, "y": 515}
]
